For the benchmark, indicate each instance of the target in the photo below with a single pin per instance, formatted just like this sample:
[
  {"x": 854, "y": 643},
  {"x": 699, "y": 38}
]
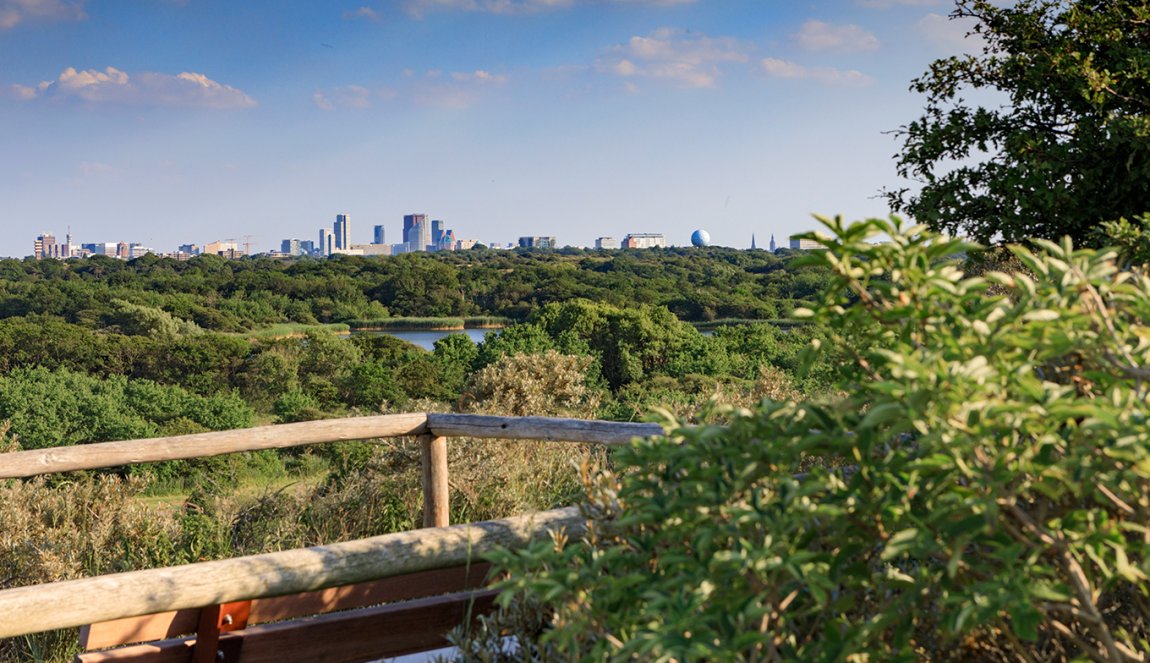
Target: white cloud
[
  {"x": 787, "y": 69},
  {"x": 435, "y": 87},
  {"x": 848, "y": 38},
  {"x": 15, "y": 12},
  {"x": 478, "y": 76},
  {"x": 364, "y": 12},
  {"x": 675, "y": 56},
  {"x": 949, "y": 34},
  {"x": 113, "y": 86}
]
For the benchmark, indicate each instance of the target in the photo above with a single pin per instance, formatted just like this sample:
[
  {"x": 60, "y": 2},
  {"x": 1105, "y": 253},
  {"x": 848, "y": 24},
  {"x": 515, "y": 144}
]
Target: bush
[{"x": 979, "y": 490}]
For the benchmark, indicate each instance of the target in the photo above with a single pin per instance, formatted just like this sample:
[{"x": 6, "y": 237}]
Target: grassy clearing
[{"x": 285, "y": 329}]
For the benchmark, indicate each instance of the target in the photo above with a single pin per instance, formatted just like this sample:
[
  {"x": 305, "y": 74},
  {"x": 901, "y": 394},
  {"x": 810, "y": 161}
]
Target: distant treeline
[{"x": 697, "y": 285}]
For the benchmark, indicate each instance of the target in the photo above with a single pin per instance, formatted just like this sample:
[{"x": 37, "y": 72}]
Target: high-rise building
[
  {"x": 45, "y": 246},
  {"x": 446, "y": 241},
  {"x": 606, "y": 242},
  {"x": 291, "y": 247},
  {"x": 326, "y": 242},
  {"x": 190, "y": 249},
  {"x": 436, "y": 231},
  {"x": 772, "y": 244},
  {"x": 341, "y": 232},
  {"x": 416, "y": 232},
  {"x": 307, "y": 247},
  {"x": 536, "y": 242},
  {"x": 377, "y": 236}
]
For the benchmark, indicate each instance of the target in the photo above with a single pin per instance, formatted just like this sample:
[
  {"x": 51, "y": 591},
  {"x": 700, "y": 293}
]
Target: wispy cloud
[
  {"x": 348, "y": 96},
  {"x": 948, "y": 34},
  {"x": 435, "y": 88},
  {"x": 674, "y": 56},
  {"x": 363, "y": 12},
  {"x": 845, "y": 38},
  {"x": 113, "y": 86},
  {"x": 421, "y": 7},
  {"x": 15, "y": 12},
  {"x": 776, "y": 68}
]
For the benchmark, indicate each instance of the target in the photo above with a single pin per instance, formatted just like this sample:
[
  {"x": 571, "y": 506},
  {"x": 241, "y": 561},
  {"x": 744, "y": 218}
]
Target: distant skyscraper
[
  {"x": 291, "y": 247},
  {"x": 45, "y": 246},
  {"x": 341, "y": 232},
  {"x": 377, "y": 237},
  {"x": 416, "y": 232},
  {"x": 753, "y": 242},
  {"x": 409, "y": 221},
  {"x": 606, "y": 242},
  {"x": 773, "y": 246},
  {"x": 326, "y": 242},
  {"x": 536, "y": 242},
  {"x": 436, "y": 231}
]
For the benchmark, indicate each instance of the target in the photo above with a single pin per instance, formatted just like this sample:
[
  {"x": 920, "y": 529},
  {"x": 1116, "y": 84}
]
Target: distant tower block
[
  {"x": 773, "y": 246},
  {"x": 700, "y": 238}
]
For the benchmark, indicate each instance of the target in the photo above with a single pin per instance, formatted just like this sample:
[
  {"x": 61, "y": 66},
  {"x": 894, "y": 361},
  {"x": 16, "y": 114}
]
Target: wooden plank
[
  {"x": 160, "y": 626},
  {"x": 388, "y": 590},
  {"x": 360, "y": 635},
  {"x": 165, "y": 651},
  {"x": 21, "y": 464},
  {"x": 613, "y": 433},
  {"x": 72, "y": 603},
  {"x": 436, "y": 493},
  {"x": 169, "y": 625}
]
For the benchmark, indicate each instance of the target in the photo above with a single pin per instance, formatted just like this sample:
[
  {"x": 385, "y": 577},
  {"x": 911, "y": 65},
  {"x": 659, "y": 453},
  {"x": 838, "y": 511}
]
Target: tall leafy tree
[{"x": 1064, "y": 143}]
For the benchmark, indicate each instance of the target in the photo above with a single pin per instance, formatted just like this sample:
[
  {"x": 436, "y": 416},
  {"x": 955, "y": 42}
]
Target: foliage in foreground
[{"x": 980, "y": 492}]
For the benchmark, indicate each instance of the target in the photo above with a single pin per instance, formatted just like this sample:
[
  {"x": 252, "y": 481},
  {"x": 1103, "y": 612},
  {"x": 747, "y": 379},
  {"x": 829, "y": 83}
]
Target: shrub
[{"x": 980, "y": 488}]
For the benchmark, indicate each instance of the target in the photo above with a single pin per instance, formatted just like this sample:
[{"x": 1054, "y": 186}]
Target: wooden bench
[{"x": 371, "y": 620}]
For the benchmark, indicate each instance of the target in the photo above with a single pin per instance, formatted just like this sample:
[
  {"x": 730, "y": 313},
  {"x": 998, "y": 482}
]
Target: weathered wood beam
[
  {"x": 77, "y": 602},
  {"x": 549, "y": 429},
  {"x": 436, "y": 493},
  {"x": 112, "y": 454}
]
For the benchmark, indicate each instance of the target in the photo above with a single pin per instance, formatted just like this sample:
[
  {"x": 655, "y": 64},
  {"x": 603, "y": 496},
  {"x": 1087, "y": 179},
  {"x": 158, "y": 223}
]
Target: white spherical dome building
[{"x": 700, "y": 238}]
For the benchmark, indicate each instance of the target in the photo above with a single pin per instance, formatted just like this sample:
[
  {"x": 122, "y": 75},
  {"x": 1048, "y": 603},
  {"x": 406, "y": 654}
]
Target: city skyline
[{"x": 171, "y": 122}]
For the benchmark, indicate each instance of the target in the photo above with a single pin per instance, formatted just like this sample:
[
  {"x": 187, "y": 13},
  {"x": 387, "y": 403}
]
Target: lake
[{"x": 426, "y": 338}]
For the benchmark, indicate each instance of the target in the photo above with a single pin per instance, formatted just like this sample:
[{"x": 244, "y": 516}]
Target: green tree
[{"x": 1063, "y": 142}]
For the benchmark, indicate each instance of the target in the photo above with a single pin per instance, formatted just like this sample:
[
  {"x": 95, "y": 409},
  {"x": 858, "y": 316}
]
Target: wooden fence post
[{"x": 435, "y": 490}]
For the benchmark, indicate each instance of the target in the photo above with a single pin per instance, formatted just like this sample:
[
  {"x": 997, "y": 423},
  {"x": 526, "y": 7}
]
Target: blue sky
[{"x": 187, "y": 121}]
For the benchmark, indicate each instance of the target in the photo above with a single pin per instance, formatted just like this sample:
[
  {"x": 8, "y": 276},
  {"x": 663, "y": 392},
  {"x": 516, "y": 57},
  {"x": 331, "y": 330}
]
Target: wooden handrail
[
  {"x": 72, "y": 603},
  {"x": 22, "y": 464},
  {"x": 551, "y": 429}
]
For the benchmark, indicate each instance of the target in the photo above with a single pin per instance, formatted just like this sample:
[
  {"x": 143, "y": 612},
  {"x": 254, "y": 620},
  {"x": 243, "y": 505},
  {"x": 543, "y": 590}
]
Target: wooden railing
[{"x": 73, "y": 603}]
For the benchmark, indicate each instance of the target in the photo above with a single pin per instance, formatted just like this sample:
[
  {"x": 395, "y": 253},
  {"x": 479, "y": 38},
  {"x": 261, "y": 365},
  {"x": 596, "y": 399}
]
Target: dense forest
[
  {"x": 82, "y": 332},
  {"x": 236, "y": 295}
]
